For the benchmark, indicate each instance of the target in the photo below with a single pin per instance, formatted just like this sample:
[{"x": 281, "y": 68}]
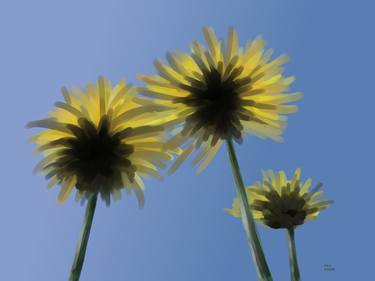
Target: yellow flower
[
  {"x": 221, "y": 92},
  {"x": 100, "y": 140},
  {"x": 281, "y": 203}
]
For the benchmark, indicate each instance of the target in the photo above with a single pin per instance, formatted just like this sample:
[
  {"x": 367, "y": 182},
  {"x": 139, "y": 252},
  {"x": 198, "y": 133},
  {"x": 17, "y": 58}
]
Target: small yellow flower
[
  {"x": 281, "y": 203},
  {"x": 100, "y": 140},
  {"x": 221, "y": 92}
]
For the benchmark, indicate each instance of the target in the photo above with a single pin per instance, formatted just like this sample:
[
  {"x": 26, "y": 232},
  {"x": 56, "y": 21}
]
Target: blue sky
[{"x": 183, "y": 233}]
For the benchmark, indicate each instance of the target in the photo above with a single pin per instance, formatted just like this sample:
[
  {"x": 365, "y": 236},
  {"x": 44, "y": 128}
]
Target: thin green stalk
[
  {"x": 257, "y": 253},
  {"x": 83, "y": 239},
  {"x": 294, "y": 271}
]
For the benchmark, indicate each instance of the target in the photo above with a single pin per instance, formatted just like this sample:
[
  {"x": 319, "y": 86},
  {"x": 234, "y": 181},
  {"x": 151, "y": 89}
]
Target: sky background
[{"x": 183, "y": 232}]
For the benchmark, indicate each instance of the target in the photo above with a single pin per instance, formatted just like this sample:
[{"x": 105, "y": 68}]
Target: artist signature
[{"x": 328, "y": 267}]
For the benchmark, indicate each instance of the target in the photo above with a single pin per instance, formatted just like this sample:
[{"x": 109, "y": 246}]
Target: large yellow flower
[
  {"x": 101, "y": 140},
  {"x": 282, "y": 203},
  {"x": 221, "y": 92}
]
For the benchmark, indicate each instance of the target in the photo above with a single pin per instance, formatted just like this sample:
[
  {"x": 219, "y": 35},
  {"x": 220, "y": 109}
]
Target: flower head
[
  {"x": 222, "y": 92},
  {"x": 281, "y": 203},
  {"x": 100, "y": 140}
]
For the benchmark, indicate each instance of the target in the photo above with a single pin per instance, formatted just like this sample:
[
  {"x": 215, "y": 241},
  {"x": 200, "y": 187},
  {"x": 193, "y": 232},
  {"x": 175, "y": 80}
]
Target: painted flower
[
  {"x": 221, "y": 92},
  {"x": 100, "y": 140},
  {"x": 282, "y": 203}
]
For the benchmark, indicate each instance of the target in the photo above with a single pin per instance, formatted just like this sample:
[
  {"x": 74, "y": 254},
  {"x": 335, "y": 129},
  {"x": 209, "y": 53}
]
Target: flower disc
[
  {"x": 281, "y": 203},
  {"x": 101, "y": 140},
  {"x": 221, "y": 93}
]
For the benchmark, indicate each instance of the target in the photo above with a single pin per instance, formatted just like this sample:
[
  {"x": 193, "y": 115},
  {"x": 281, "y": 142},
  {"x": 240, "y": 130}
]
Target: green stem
[
  {"x": 257, "y": 253},
  {"x": 294, "y": 271},
  {"x": 83, "y": 239}
]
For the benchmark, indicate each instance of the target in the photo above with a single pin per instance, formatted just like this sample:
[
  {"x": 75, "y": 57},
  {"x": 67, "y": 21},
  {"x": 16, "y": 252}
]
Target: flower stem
[
  {"x": 257, "y": 253},
  {"x": 294, "y": 271},
  {"x": 83, "y": 239}
]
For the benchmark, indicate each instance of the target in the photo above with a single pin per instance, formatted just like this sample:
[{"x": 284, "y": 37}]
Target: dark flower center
[
  {"x": 95, "y": 156},
  {"x": 284, "y": 211},
  {"x": 218, "y": 104},
  {"x": 291, "y": 212}
]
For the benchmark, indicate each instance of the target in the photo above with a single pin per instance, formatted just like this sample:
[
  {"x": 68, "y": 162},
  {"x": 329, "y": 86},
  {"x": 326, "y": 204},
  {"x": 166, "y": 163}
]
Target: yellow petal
[{"x": 66, "y": 189}]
